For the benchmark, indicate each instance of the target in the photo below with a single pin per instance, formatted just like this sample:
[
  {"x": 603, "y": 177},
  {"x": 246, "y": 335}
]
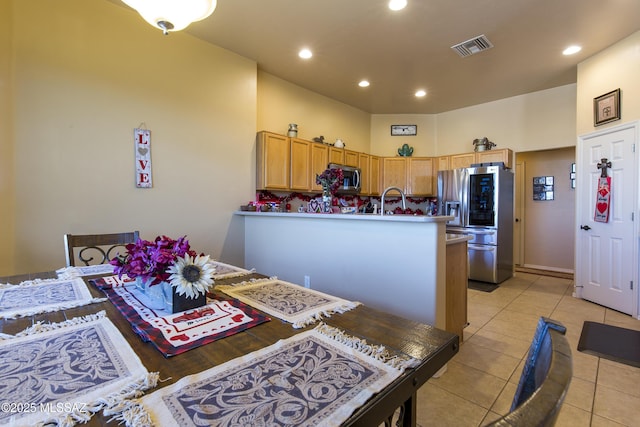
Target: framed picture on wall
[{"x": 606, "y": 108}]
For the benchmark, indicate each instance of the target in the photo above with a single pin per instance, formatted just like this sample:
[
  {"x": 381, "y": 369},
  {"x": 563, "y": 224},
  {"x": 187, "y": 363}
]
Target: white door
[{"x": 606, "y": 255}]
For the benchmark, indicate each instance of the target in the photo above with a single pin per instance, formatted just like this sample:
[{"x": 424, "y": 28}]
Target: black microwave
[{"x": 351, "y": 183}]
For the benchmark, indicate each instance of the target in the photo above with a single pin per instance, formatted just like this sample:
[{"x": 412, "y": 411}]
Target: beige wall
[
  {"x": 88, "y": 73},
  {"x": 535, "y": 121},
  {"x": 613, "y": 68},
  {"x": 7, "y": 198},
  {"x": 549, "y": 226},
  {"x": 424, "y": 143},
  {"x": 281, "y": 103}
]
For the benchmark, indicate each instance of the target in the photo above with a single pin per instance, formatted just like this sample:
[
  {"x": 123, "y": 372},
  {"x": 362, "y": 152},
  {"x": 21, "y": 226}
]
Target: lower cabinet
[{"x": 456, "y": 294}]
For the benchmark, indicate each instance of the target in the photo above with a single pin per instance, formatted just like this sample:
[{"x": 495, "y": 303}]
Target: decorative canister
[{"x": 293, "y": 130}]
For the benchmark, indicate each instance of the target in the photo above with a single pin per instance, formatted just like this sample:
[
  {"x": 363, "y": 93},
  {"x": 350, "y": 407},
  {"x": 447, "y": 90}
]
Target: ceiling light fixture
[
  {"x": 363, "y": 83},
  {"x": 172, "y": 15},
  {"x": 397, "y": 4},
  {"x": 420, "y": 93},
  {"x": 305, "y": 54},
  {"x": 571, "y": 50}
]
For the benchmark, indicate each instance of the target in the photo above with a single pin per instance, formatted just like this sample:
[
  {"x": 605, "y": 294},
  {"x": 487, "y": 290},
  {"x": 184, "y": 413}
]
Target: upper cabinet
[
  {"x": 375, "y": 173},
  {"x": 413, "y": 175},
  {"x": 465, "y": 160},
  {"x": 457, "y": 161},
  {"x": 319, "y": 162},
  {"x": 364, "y": 163},
  {"x": 502, "y": 155},
  {"x": 336, "y": 155},
  {"x": 351, "y": 158},
  {"x": 394, "y": 173},
  {"x": 273, "y": 161},
  {"x": 420, "y": 176},
  {"x": 285, "y": 163},
  {"x": 300, "y": 164}
]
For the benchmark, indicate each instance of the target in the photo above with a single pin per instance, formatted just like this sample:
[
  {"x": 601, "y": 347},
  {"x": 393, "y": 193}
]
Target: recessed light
[
  {"x": 397, "y": 4},
  {"x": 305, "y": 54},
  {"x": 363, "y": 83},
  {"x": 420, "y": 93},
  {"x": 571, "y": 50}
]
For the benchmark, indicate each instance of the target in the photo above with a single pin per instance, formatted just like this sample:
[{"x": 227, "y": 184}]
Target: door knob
[{"x": 585, "y": 227}]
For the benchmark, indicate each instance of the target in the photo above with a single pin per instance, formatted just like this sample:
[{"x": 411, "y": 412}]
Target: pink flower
[
  {"x": 151, "y": 260},
  {"x": 331, "y": 180}
]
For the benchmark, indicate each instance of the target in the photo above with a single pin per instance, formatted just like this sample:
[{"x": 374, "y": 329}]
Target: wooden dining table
[{"x": 431, "y": 346}]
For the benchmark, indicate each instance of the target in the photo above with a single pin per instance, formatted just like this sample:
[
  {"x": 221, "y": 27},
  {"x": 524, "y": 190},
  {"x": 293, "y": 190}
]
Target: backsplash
[{"x": 297, "y": 202}]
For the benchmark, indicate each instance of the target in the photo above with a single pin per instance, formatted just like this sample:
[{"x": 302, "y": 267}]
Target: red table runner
[{"x": 175, "y": 333}]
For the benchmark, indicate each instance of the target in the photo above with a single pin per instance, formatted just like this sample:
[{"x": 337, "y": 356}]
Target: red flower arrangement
[
  {"x": 331, "y": 180},
  {"x": 151, "y": 260}
]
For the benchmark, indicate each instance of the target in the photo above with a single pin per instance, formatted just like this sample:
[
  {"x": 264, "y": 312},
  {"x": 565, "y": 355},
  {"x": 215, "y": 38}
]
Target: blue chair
[{"x": 544, "y": 381}]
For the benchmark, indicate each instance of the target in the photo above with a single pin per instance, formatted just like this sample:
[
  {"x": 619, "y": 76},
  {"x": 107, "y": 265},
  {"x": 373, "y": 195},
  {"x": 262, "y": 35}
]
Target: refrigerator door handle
[
  {"x": 472, "y": 231},
  {"x": 482, "y": 248}
]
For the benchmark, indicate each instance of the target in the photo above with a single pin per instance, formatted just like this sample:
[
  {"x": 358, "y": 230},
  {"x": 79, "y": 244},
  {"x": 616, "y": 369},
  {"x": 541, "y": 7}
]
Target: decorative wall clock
[{"x": 404, "y": 130}]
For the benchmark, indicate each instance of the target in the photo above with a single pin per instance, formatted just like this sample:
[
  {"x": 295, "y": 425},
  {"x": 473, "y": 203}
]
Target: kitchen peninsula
[{"x": 395, "y": 263}]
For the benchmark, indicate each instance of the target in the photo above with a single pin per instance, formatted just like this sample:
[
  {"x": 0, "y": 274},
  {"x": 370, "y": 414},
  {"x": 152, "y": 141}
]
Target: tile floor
[{"x": 481, "y": 379}]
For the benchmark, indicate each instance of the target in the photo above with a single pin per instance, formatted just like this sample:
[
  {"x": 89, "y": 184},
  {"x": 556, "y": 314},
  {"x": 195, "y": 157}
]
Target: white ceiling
[{"x": 400, "y": 52}]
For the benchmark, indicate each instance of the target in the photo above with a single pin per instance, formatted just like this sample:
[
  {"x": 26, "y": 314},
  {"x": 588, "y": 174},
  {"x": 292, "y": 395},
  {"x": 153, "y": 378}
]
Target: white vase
[
  {"x": 326, "y": 203},
  {"x": 154, "y": 295}
]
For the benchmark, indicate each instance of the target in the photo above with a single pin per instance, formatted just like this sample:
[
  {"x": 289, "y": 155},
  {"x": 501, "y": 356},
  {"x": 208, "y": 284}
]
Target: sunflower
[{"x": 191, "y": 276}]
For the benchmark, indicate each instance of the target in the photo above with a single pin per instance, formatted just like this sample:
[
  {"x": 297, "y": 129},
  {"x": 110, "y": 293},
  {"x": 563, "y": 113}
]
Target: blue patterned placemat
[
  {"x": 288, "y": 301},
  {"x": 64, "y": 372},
  {"x": 41, "y": 296},
  {"x": 315, "y": 378}
]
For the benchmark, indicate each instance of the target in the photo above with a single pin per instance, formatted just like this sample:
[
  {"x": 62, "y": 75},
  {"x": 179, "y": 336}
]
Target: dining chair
[
  {"x": 92, "y": 249},
  {"x": 544, "y": 380}
]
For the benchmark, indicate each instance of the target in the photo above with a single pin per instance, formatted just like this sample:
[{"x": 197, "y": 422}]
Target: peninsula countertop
[{"x": 354, "y": 217}]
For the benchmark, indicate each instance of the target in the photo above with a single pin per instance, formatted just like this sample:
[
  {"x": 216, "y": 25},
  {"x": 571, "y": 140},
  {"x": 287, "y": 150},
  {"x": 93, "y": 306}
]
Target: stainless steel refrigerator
[{"x": 480, "y": 199}]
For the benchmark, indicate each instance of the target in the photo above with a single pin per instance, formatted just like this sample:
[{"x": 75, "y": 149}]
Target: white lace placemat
[
  {"x": 225, "y": 271},
  {"x": 87, "y": 270},
  {"x": 42, "y": 296},
  {"x": 288, "y": 301},
  {"x": 63, "y": 373},
  {"x": 315, "y": 378}
]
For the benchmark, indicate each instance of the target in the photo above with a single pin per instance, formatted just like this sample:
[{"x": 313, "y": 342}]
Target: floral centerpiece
[
  {"x": 331, "y": 180},
  {"x": 168, "y": 262}
]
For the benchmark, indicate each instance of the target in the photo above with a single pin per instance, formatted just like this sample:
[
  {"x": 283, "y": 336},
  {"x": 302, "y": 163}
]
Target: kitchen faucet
[{"x": 384, "y": 193}]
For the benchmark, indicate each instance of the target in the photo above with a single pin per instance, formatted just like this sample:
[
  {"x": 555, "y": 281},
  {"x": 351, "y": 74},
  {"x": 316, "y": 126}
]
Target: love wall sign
[{"x": 142, "y": 141}]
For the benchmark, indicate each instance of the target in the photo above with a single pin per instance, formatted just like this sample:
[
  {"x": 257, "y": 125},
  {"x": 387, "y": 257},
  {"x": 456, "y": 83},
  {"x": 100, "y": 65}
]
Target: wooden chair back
[
  {"x": 92, "y": 249},
  {"x": 544, "y": 381}
]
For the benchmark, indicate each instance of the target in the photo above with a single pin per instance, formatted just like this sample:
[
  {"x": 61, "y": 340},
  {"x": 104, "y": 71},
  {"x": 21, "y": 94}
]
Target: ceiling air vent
[{"x": 475, "y": 45}]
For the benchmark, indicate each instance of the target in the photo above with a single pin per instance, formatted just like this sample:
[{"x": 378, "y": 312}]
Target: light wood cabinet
[
  {"x": 465, "y": 160},
  {"x": 456, "y": 293},
  {"x": 365, "y": 173},
  {"x": 375, "y": 172},
  {"x": 457, "y": 161},
  {"x": 273, "y": 161},
  {"x": 351, "y": 158},
  {"x": 300, "y": 165},
  {"x": 413, "y": 175},
  {"x": 336, "y": 155},
  {"x": 502, "y": 155},
  {"x": 443, "y": 164},
  {"x": 394, "y": 173},
  {"x": 319, "y": 162},
  {"x": 420, "y": 176}
]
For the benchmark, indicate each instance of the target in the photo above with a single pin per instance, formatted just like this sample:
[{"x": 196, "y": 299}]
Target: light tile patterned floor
[{"x": 481, "y": 379}]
